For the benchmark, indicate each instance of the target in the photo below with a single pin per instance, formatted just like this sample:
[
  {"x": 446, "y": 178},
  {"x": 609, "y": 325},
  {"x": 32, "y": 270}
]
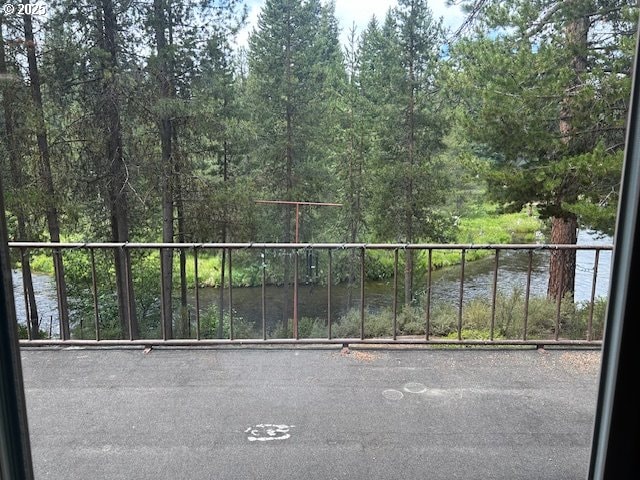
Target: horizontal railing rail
[
  {"x": 461, "y": 330},
  {"x": 302, "y": 246}
]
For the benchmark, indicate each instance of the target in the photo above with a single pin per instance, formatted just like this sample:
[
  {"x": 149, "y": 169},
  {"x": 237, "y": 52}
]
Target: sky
[{"x": 359, "y": 12}]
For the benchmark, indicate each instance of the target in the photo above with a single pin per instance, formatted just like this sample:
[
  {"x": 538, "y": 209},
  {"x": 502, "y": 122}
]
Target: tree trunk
[
  {"x": 33, "y": 321},
  {"x": 562, "y": 265},
  {"x": 165, "y": 124},
  {"x": 411, "y": 148},
  {"x": 289, "y": 175},
  {"x": 220, "y": 329},
  {"x": 117, "y": 189},
  {"x": 17, "y": 179},
  {"x": 184, "y": 331},
  {"x": 46, "y": 178},
  {"x": 408, "y": 277},
  {"x": 167, "y": 228},
  {"x": 354, "y": 197},
  {"x": 223, "y": 239},
  {"x": 286, "y": 270}
]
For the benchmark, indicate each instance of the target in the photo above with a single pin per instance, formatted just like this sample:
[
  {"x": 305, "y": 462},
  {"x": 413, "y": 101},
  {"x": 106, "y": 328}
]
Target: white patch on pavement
[
  {"x": 392, "y": 394},
  {"x": 264, "y": 432},
  {"x": 414, "y": 387}
]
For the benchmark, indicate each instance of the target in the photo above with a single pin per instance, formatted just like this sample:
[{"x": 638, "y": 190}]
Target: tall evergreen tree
[
  {"x": 553, "y": 119},
  {"x": 87, "y": 80},
  {"x": 293, "y": 55},
  {"x": 220, "y": 209},
  {"x": 179, "y": 32},
  {"x": 355, "y": 149},
  {"x": 400, "y": 75},
  {"x": 50, "y": 199},
  {"x": 12, "y": 91}
]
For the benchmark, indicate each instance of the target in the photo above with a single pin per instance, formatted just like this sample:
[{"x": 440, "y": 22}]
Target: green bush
[
  {"x": 476, "y": 320},
  {"x": 210, "y": 317},
  {"x": 23, "y": 334},
  {"x": 308, "y": 327}
]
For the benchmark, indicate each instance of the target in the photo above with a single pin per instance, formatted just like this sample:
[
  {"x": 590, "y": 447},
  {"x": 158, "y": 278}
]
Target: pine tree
[
  {"x": 44, "y": 171},
  {"x": 293, "y": 55},
  {"x": 12, "y": 90},
  {"x": 178, "y": 31},
  {"x": 553, "y": 119},
  {"x": 88, "y": 93},
  {"x": 400, "y": 75}
]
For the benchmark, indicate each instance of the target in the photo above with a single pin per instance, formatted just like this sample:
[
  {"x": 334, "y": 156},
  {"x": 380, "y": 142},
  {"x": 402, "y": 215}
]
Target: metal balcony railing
[{"x": 460, "y": 331}]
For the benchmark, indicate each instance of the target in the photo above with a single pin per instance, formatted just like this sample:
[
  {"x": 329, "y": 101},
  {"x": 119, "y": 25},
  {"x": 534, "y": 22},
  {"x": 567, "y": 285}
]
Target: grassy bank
[{"x": 485, "y": 227}]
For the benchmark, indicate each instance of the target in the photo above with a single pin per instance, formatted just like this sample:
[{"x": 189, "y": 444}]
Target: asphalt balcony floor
[{"x": 312, "y": 413}]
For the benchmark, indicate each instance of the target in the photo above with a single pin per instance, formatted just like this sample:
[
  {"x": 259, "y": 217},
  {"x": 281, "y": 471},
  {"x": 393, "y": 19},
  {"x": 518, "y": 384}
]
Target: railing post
[
  {"x": 395, "y": 293},
  {"x": 593, "y": 296},
  {"x": 559, "y": 298},
  {"x": 163, "y": 313},
  {"x": 197, "y": 291},
  {"x": 129, "y": 287},
  {"x": 494, "y": 294},
  {"x": 527, "y": 295},
  {"x": 27, "y": 308},
  {"x": 428, "y": 300},
  {"x": 362, "y": 301},
  {"x": 462, "y": 257},
  {"x": 263, "y": 296},
  {"x": 295, "y": 292},
  {"x": 231, "y": 332},
  {"x": 61, "y": 292},
  {"x": 329, "y": 278}
]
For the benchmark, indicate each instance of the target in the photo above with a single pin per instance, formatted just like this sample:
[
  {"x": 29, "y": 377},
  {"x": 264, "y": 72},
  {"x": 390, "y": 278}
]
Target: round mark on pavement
[
  {"x": 414, "y": 387},
  {"x": 265, "y": 432},
  {"x": 392, "y": 394}
]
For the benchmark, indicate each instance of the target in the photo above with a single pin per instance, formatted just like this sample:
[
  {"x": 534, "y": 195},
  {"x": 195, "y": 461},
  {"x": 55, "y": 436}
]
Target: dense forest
[{"x": 143, "y": 120}]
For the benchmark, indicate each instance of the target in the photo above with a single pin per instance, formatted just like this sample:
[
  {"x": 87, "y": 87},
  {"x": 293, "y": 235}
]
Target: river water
[{"x": 312, "y": 299}]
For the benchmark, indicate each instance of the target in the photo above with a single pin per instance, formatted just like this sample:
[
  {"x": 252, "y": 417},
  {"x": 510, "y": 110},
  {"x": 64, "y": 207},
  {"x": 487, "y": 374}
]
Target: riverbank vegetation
[
  {"x": 151, "y": 123},
  {"x": 573, "y": 320},
  {"x": 486, "y": 226}
]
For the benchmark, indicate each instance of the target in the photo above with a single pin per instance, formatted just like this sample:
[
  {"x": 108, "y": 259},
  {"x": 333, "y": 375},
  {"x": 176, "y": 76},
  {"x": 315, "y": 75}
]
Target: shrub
[
  {"x": 210, "y": 317},
  {"x": 308, "y": 327},
  {"x": 476, "y": 319}
]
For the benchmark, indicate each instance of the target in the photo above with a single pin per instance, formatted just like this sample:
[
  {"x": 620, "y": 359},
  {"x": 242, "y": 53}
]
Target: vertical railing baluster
[
  {"x": 129, "y": 288},
  {"x": 494, "y": 294},
  {"x": 395, "y": 293},
  {"x": 263, "y": 298},
  {"x": 362, "y": 304},
  {"x": 197, "y": 291},
  {"x": 329, "y": 277},
  {"x": 527, "y": 294},
  {"x": 560, "y": 293},
  {"x": 63, "y": 312},
  {"x": 593, "y": 296},
  {"x": 428, "y": 300},
  {"x": 27, "y": 308},
  {"x": 94, "y": 293},
  {"x": 461, "y": 299},
  {"x": 163, "y": 313},
  {"x": 295, "y": 294},
  {"x": 231, "y": 333}
]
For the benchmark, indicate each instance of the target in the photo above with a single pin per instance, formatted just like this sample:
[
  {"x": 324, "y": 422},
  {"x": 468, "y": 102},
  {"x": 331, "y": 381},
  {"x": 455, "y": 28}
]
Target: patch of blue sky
[{"x": 357, "y": 13}]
